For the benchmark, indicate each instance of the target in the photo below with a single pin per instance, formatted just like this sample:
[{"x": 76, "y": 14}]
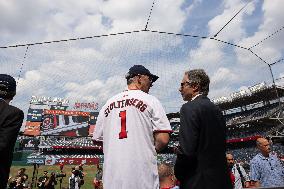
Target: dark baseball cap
[
  {"x": 139, "y": 69},
  {"x": 7, "y": 83}
]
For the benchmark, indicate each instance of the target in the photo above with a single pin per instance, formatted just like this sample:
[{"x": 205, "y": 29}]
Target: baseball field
[{"x": 89, "y": 172}]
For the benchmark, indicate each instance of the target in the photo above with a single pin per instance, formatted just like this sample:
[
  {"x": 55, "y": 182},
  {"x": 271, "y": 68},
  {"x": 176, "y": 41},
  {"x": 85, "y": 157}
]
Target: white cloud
[
  {"x": 232, "y": 67},
  {"x": 271, "y": 49},
  {"x": 208, "y": 55},
  {"x": 168, "y": 16},
  {"x": 215, "y": 93},
  {"x": 234, "y": 31},
  {"x": 31, "y": 80},
  {"x": 97, "y": 90},
  {"x": 192, "y": 6},
  {"x": 223, "y": 75},
  {"x": 93, "y": 69}
]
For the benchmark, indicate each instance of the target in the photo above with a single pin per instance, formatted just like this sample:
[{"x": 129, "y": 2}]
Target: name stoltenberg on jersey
[{"x": 127, "y": 123}]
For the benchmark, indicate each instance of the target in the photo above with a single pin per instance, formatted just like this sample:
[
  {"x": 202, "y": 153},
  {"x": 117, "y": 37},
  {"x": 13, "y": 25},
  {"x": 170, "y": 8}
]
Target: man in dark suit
[
  {"x": 201, "y": 160},
  {"x": 11, "y": 119}
]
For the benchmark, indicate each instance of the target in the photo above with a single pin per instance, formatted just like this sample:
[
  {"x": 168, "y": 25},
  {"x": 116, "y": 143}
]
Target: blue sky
[{"x": 92, "y": 70}]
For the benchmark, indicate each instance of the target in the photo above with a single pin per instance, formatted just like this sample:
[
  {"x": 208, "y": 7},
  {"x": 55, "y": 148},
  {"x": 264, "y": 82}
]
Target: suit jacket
[
  {"x": 11, "y": 119},
  {"x": 202, "y": 137}
]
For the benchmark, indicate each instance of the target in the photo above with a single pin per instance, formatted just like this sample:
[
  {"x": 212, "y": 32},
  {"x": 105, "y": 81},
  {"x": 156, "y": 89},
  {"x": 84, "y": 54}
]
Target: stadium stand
[
  {"x": 249, "y": 115},
  {"x": 77, "y": 143}
]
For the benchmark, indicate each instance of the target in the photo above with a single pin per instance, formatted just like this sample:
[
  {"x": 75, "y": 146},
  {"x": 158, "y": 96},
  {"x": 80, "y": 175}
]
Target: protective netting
[{"x": 94, "y": 69}]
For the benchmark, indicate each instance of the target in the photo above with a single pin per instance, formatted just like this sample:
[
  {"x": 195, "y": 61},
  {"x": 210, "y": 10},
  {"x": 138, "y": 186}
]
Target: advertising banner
[
  {"x": 32, "y": 128},
  {"x": 77, "y": 161},
  {"x": 51, "y": 160},
  {"x": 34, "y": 115},
  {"x": 57, "y": 107},
  {"x": 86, "y": 105},
  {"x": 67, "y": 123},
  {"x": 245, "y": 139},
  {"x": 47, "y": 122},
  {"x": 39, "y": 161},
  {"x": 54, "y": 116},
  {"x": 71, "y": 161},
  {"x": 30, "y": 143},
  {"x": 70, "y": 113}
]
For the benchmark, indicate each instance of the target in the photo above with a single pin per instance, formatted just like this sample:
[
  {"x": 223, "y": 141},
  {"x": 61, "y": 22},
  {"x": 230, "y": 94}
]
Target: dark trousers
[{"x": 4, "y": 175}]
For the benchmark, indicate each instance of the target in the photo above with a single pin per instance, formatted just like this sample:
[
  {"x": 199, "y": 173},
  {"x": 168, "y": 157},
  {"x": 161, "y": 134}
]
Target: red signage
[
  {"x": 70, "y": 113},
  {"x": 86, "y": 105},
  {"x": 252, "y": 138},
  {"x": 78, "y": 161}
]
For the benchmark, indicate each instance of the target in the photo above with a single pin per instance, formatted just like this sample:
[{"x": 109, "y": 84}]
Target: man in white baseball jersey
[{"x": 133, "y": 125}]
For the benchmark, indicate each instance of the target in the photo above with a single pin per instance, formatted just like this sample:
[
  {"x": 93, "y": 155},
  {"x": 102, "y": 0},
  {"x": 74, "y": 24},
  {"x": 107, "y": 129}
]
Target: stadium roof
[{"x": 266, "y": 94}]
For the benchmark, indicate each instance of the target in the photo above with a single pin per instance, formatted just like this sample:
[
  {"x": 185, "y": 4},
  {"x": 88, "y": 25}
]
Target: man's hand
[{"x": 161, "y": 140}]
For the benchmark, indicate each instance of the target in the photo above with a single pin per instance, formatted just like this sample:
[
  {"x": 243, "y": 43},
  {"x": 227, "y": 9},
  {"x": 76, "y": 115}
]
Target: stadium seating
[{"x": 80, "y": 143}]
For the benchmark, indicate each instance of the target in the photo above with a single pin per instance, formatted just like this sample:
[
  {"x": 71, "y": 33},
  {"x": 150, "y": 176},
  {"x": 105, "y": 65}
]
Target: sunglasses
[{"x": 184, "y": 83}]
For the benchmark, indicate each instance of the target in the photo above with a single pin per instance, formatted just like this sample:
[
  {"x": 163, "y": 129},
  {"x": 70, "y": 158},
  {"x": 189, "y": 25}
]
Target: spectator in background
[
  {"x": 134, "y": 126},
  {"x": 201, "y": 159},
  {"x": 98, "y": 177},
  {"x": 22, "y": 173},
  {"x": 11, "y": 119},
  {"x": 76, "y": 179},
  {"x": 241, "y": 178},
  {"x": 23, "y": 178},
  {"x": 42, "y": 180},
  {"x": 166, "y": 177},
  {"x": 265, "y": 168},
  {"x": 17, "y": 183},
  {"x": 51, "y": 181}
]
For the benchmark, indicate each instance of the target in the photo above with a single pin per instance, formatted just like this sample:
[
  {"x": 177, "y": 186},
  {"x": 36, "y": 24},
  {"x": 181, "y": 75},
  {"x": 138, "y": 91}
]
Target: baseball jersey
[{"x": 126, "y": 123}]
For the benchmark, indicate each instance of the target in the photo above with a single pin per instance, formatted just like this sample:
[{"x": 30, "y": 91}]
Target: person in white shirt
[
  {"x": 133, "y": 126},
  {"x": 76, "y": 179},
  {"x": 241, "y": 177}
]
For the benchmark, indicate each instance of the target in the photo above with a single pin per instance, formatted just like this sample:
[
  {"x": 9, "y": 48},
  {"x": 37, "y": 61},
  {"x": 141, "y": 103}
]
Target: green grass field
[{"x": 89, "y": 171}]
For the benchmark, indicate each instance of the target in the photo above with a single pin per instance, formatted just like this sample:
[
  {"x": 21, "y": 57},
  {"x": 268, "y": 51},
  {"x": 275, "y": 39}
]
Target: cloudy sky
[{"x": 93, "y": 69}]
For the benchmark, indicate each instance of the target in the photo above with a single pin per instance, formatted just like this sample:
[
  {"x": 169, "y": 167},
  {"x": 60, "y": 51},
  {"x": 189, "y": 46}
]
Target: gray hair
[
  {"x": 164, "y": 170},
  {"x": 130, "y": 80},
  {"x": 200, "y": 78}
]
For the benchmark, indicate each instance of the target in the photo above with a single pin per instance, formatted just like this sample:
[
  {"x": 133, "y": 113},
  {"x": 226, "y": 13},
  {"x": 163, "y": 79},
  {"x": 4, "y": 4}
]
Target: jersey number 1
[{"x": 123, "y": 133}]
